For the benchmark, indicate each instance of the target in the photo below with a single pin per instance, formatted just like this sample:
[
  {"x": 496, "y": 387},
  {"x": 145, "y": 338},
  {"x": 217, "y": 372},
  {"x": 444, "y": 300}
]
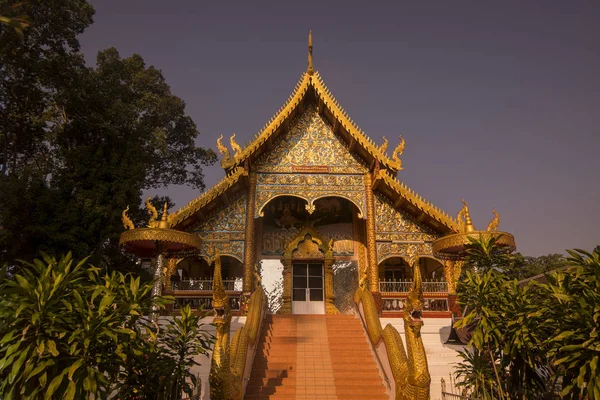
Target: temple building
[
  {"x": 315, "y": 203},
  {"x": 311, "y": 218}
]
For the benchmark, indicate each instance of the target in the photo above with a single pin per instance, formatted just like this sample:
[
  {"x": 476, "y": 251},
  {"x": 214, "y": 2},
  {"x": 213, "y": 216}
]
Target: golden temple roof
[{"x": 310, "y": 81}]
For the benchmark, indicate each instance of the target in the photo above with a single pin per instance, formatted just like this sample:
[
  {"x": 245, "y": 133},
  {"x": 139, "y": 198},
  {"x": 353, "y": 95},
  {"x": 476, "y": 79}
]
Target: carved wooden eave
[
  {"x": 403, "y": 197},
  {"x": 201, "y": 205}
]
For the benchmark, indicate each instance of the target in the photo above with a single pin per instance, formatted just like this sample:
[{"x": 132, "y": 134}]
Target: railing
[
  {"x": 205, "y": 301},
  {"x": 397, "y": 304},
  {"x": 405, "y": 286},
  {"x": 206, "y": 284}
]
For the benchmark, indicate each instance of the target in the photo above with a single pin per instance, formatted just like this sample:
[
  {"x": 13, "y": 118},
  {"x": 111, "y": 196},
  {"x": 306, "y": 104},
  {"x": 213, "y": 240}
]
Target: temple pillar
[
  {"x": 286, "y": 306},
  {"x": 249, "y": 245},
  {"x": 168, "y": 272},
  {"x": 449, "y": 276},
  {"x": 373, "y": 269}
]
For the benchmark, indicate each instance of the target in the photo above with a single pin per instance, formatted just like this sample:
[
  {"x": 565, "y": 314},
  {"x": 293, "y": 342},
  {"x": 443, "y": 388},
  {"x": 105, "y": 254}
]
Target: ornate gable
[{"x": 310, "y": 145}]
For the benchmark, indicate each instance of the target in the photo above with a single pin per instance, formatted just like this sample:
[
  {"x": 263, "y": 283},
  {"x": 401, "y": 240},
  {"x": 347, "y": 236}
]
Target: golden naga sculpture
[
  {"x": 398, "y": 151},
  {"x": 409, "y": 367},
  {"x": 235, "y": 146},
  {"x": 227, "y": 161},
  {"x": 493, "y": 225},
  {"x": 384, "y": 146},
  {"x": 127, "y": 222},
  {"x": 229, "y": 357},
  {"x": 153, "y": 222}
]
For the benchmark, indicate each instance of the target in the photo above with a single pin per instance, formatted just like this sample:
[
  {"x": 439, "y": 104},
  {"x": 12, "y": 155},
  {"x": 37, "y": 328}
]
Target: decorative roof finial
[
  {"x": 311, "y": 69},
  {"x": 469, "y": 224},
  {"x": 164, "y": 224}
]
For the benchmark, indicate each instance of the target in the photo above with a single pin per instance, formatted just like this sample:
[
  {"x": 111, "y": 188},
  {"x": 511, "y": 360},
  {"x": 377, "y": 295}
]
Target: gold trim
[
  {"x": 160, "y": 235},
  {"x": 418, "y": 201},
  {"x": 371, "y": 242},
  {"x": 452, "y": 246},
  {"x": 202, "y": 200},
  {"x": 249, "y": 246}
]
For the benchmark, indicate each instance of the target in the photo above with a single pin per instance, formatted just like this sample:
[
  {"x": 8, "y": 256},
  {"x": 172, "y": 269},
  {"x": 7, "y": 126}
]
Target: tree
[
  {"x": 523, "y": 267},
  {"x": 78, "y": 144},
  {"x": 76, "y": 331},
  {"x": 534, "y": 334},
  {"x": 571, "y": 310},
  {"x": 505, "y": 336}
]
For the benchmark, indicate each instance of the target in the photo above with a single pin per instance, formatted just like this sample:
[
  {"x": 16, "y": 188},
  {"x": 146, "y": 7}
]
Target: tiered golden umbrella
[
  {"x": 156, "y": 240},
  {"x": 453, "y": 250}
]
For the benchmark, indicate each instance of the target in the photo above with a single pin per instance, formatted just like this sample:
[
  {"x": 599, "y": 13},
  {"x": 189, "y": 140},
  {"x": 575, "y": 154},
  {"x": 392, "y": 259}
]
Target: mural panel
[
  {"x": 396, "y": 232},
  {"x": 224, "y": 230},
  {"x": 345, "y": 283},
  {"x": 310, "y": 142}
]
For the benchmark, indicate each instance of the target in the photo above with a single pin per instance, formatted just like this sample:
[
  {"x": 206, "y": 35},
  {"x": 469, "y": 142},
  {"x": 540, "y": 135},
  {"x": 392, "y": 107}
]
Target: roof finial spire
[{"x": 311, "y": 69}]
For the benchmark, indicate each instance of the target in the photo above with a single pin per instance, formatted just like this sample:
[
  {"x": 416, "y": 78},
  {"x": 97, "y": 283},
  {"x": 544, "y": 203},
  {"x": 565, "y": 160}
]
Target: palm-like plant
[
  {"x": 573, "y": 314},
  {"x": 68, "y": 329}
]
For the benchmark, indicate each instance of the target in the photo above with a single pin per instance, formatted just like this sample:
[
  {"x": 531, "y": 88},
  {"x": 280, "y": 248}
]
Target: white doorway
[{"x": 307, "y": 288}]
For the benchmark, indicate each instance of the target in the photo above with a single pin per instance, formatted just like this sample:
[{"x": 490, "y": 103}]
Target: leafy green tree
[
  {"x": 523, "y": 267},
  {"x": 80, "y": 144},
  {"x": 72, "y": 330},
  {"x": 571, "y": 310},
  {"x": 506, "y": 336}
]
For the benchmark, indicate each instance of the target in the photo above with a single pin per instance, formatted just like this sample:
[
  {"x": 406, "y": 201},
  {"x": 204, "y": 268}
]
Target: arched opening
[
  {"x": 284, "y": 216},
  {"x": 195, "y": 273},
  {"x": 333, "y": 219}
]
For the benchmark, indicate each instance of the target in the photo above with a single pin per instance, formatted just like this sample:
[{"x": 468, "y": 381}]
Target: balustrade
[
  {"x": 405, "y": 286},
  {"x": 233, "y": 285},
  {"x": 397, "y": 304}
]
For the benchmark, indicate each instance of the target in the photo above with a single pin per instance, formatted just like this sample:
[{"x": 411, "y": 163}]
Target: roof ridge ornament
[{"x": 311, "y": 69}]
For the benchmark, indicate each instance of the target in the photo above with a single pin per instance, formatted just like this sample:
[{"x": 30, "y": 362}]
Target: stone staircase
[{"x": 314, "y": 357}]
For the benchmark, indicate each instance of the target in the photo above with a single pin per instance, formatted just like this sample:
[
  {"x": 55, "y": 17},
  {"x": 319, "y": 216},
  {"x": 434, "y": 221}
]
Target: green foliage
[
  {"x": 79, "y": 144},
  {"x": 523, "y": 267},
  {"x": 71, "y": 330},
  {"x": 475, "y": 373},
  {"x": 533, "y": 333},
  {"x": 572, "y": 311}
]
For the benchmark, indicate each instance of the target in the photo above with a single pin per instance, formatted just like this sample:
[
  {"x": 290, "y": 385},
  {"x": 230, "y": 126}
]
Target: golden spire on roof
[
  {"x": 164, "y": 224},
  {"x": 311, "y": 69}
]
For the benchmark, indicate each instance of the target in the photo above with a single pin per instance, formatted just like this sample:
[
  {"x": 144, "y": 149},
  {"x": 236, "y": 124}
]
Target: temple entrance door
[{"x": 307, "y": 293}]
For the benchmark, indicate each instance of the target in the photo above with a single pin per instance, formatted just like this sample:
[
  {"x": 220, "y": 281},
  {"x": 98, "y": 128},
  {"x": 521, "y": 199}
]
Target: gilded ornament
[
  {"x": 310, "y": 143},
  {"x": 153, "y": 221},
  {"x": 409, "y": 367},
  {"x": 199, "y": 202},
  {"x": 398, "y": 151},
  {"x": 493, "y": 225},
  {"x": 228, "y": 363},
  {"x": 249, "y": 250},
  {"x": 371, "y": 241},
  {"x": 391, "y": 220},
  {"x": 127, "y": 222},
  {"x": 237, "y": 150},
  {"x": 310, "y": 70},
  {"x": 309, "y": 187},
  {"x": 384, "y": 146}
]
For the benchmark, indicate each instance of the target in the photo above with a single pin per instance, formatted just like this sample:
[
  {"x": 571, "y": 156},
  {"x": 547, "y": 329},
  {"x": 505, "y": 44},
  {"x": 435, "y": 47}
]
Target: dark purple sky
[{"x": 499, "y": 104}]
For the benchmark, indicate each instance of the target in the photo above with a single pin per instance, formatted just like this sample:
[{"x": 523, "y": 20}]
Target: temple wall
[{"x": 224, "y": 230}]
